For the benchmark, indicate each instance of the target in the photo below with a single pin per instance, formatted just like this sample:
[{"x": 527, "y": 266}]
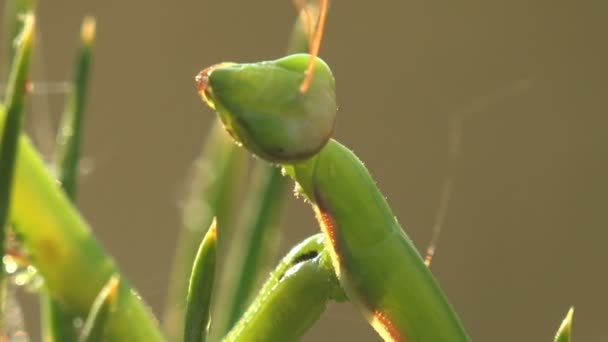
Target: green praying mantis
[{"x": 284, "y": 112}]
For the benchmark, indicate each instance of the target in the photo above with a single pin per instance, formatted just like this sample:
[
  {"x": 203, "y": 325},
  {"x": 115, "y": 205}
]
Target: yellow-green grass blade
[
  {"x": 14, "y": 11},
  {"x": 565, "y": 329},
  {"x": 60, "y": 245},
  {"x": 11, "y": 129},
  {"x": 94, "y": 328},
  {"x": 200, "y": 288},
  {"x": 250, "y": 253},
  {"x": 57, "y": 324},
  {"x": 217, "y": 175}
]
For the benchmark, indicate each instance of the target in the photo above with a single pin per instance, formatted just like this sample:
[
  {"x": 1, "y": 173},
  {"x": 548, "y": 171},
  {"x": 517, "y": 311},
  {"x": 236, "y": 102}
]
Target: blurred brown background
[{"x": 524, "y": 236}]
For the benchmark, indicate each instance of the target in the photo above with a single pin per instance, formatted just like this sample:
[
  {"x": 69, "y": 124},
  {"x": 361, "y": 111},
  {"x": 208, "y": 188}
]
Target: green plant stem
[
  {"x": 69, "y": 138},
  {"x": 59, "y": 243},
  {"x": 293, "y": 298},
  {"x": 217, "y": 174},
  {"x": 94, "y": 329},
  {"x": 14, "y": 10},
  {"x": 58, "y": 325},
  {"x": 200, "y": 288},
  {"x": 565, "y": 329},
  {"x": 257, "y": 241},
  {"x": 15, "y": 102}
]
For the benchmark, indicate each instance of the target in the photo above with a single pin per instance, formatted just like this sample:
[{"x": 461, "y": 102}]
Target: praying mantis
[{"x": 284, "y": 111}]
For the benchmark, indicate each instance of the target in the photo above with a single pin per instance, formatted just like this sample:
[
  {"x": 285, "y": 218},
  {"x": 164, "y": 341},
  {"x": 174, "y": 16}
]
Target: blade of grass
[
  {"x": 70, "y": 132},
  {"x": 249, "y": 255},
  {"x": 217, "y": 174},
  {"x": 57, "y": 325},
  {"x": 15, "y": 102},
  {"x": 198, "y": 301},
  {"x": 13, "y": 25},
  {"x": 565, "y": 329},
  {"x": 59, "y": 244},
  {"x": 94, "y": 329},
  {"x": 299, "y": 39}
]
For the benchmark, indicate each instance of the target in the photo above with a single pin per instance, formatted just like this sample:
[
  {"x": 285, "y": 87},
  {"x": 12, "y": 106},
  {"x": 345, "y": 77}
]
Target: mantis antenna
[
  {"x": 315, "y": 40},
  {"x": 457, "y": 121}
]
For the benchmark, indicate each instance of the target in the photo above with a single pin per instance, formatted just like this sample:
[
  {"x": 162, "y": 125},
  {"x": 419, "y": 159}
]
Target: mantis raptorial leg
[{"x": 293, "y": 297}]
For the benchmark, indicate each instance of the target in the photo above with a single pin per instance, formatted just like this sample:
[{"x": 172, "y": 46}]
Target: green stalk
[
  {"x": 293, "y": 298},
  {"x": 69, "y": 138},
  {"x": 257, "y": 241},
  {"x": 58, "y": 325},
  {"x": 61, "y": 247},
  {"x": 94, "y": 329},
  {"x": 198, "y": 301},
  {"x": 211, "y": 195},
  {"x": 565, "y": 329},
  {"x": 14, "y": 10},
  {"x": 15, "y": 102}
]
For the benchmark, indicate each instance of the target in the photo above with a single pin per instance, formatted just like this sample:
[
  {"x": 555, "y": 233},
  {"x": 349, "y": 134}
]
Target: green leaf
[
  {"x": 211, "y": 194},
  {"x": 69, "y": 138},
  {"x": 94, "y": 329},
  {"x": 14, "y": 10},
  {"x": 15, "y": 102},
  {"x": 198, "y": 301},
  {"x": 56, "y": 322},
  {"x": 256, "y": 243},
  {"x": 61, "y": 247},
  {"x": 299, "y": 39},
  {"x": 565, "y": 329}
]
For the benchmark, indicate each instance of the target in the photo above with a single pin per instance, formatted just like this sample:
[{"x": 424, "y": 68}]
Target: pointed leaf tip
[
  {"x": 212, "y": 232},
  {"x": 565, "y": 329},
  {"x": 95, "y": 325},
  {"x": 87, "y": 32},
  {"x": 10, "y": 126},
  {"x": 198, "y": 300}
]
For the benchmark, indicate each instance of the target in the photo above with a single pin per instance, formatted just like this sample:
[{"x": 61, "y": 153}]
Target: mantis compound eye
[
  {"x": 262, "y": 107},
  {"x": 202, "y": 82}
]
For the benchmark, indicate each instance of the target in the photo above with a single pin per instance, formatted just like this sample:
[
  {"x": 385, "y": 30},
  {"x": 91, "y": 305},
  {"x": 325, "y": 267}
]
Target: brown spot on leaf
[{"x": 47, "y": 250}]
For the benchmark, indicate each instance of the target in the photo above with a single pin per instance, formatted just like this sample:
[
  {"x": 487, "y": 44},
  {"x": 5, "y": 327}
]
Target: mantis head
[{"x": 262, "y": 106}]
